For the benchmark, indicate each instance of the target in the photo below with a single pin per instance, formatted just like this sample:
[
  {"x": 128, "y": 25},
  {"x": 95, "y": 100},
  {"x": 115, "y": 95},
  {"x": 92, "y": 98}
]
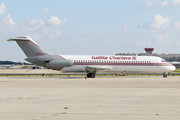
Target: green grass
[{"x": 176, "y": 71}]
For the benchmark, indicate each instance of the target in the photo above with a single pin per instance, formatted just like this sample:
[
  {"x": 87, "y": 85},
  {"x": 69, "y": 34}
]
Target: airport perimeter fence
[{"x": 84, "y": 74}]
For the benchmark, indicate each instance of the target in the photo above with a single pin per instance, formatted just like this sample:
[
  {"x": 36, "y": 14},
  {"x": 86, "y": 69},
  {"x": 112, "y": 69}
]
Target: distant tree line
[
  {"x": 10, "y": 62},
  {"x": 167, "y": 57},
  {"x": 172, "y": 59}
]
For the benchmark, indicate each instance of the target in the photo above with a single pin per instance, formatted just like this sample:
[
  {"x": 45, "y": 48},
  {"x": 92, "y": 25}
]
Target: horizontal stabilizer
[{"x": 29, "y": 47}]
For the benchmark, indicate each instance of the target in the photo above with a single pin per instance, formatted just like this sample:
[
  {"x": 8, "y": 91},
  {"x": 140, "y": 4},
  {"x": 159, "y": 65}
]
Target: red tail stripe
[
  {"x": 34, "y": 43},
  {"x": 62, "y": 57}
]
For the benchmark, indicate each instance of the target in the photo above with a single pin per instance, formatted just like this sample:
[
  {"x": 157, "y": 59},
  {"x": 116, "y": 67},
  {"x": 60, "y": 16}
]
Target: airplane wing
[{"x": 96, "y": 68}]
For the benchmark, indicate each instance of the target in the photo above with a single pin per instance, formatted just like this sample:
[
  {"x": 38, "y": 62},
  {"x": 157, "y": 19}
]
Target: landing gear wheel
[
  {"x": 164, "y": 75},
  {"x": 91, "y": 75}
]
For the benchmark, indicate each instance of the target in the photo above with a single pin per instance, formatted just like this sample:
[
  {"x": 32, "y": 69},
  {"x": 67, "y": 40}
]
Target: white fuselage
[
  {"x": 118, "y": 63},
  {"x": 91, "y": 63}
]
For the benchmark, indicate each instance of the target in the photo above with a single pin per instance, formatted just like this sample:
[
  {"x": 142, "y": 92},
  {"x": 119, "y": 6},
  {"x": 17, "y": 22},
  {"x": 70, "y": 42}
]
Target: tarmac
[
  {"x": 27, "y": 71},
  {"x": 100, "y": 98}
]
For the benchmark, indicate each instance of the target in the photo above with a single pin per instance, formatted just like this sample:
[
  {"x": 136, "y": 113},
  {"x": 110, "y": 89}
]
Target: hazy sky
[{"x": 90, "y": 27}]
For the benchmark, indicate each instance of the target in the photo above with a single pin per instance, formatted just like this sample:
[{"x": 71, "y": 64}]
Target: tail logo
[{"x": 39, "y": 53}]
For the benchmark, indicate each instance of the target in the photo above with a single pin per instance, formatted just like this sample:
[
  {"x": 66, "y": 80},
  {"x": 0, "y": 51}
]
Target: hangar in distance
[{"x": 91, "y": 64}]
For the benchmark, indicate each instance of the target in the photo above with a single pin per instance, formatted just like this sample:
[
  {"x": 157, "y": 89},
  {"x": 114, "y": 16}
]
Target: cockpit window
[{"x": 163, "y": 60}]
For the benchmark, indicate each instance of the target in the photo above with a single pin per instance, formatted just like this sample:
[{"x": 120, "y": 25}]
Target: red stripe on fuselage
[
  {"x": 61, "y": 68},
  {"x": 119, "y": 64},
  {"x": 24, "y": 37}
]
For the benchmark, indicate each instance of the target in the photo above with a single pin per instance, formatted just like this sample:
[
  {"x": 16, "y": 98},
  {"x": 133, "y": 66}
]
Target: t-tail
[
  {"x": 38, "y": 56},
  {"x": 29, "y": 47}
]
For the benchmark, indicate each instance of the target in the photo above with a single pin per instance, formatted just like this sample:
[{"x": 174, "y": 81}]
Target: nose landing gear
[{"x": 164, "y": 75}]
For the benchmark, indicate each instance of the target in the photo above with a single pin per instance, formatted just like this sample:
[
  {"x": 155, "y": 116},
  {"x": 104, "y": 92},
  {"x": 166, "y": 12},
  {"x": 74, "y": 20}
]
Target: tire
[
  {"x": 93, "y": 75},
  {"x": 89, "y": 75}
]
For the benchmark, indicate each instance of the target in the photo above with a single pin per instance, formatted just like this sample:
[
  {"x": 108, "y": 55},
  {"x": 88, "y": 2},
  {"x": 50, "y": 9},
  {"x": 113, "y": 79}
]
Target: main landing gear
[{"x": 91, "y": 75}]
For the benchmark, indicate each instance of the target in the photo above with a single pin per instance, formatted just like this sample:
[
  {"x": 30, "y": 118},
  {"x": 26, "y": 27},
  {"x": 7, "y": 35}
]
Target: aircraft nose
[
  {"x": 174, "y": 68},
  {"x": 171, "y": 68}
]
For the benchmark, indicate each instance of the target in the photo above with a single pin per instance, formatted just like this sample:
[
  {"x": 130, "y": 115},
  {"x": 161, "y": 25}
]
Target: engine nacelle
[{"x": 60, "y": 63}]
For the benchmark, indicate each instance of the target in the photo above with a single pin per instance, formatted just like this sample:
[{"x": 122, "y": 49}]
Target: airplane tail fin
[{"x": 29, "y": 47}]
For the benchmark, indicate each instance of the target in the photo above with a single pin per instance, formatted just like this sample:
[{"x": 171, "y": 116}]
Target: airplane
[
  {"x": 7, "y": 65},
  {"x": 91, "y": 64},
  {"x": 10, "y": 65}
]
